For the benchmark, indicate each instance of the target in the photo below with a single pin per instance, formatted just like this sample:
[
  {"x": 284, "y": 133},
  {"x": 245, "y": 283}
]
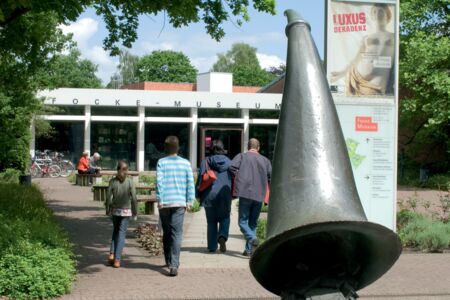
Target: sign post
[{"x": 362, "y": 70}]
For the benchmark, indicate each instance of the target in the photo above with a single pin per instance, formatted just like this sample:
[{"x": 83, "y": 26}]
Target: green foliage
[
  {"x": 422, "y": 232},
  {"x": 26, "y": 46},
  {"x": 265, "y": 208},
  {"x": 166, "y": 66},
  {"x": 241, "y": 60},
  {"x": 148, "y": 179},
  {"x": 436, "y": 181},
  {"x": 261, "y": 230},
  {"x": 434, "y": 238},
  {"x": 10, "y": 176},
  {"x": 35, "y": 254},
  {"x": 196, "y": 206},
  {"x": 31, "y": 270},
  {"x": 404, "y": 216},
  {"x": 72, "y": 178},
  {"x": 141, "y": 208},
  {"x": 121, "y": 17},
  {"x": 69, "y": 71},
  {"x": 239, "y": 54},
  {"x": 439, "y": 181},
  {"x": 128, "y": 67},
  {"x": 31, "y": 38},
  {"x": 127, "y": 70},
  {"x": 248, "y": 75},
  {"x": 425, "y": 81}
]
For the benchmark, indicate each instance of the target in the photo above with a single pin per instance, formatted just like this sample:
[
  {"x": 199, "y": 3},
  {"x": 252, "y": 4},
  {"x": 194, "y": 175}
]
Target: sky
[{"x": 264, "y": 32}]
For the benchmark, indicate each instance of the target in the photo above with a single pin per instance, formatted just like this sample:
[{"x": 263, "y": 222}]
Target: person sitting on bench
[
  {"x": 83, "y": 166},
  {"x": 93, "y": 162}
]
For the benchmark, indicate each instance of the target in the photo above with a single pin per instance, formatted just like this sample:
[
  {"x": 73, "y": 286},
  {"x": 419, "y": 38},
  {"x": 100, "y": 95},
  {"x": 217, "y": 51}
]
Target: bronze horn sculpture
[{"x": 319, "y": 241}]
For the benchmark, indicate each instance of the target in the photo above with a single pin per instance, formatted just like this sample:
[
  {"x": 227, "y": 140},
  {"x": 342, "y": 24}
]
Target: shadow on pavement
[{"x": 203, "y": 250}]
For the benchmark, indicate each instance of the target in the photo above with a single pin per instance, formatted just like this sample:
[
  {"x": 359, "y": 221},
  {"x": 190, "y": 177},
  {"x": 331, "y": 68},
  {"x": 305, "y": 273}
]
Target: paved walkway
[{"x": 202, "y": 275}]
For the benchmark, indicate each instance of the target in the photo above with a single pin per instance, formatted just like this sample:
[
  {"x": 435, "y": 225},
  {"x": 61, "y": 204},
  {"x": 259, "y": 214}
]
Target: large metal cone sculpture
[{"x": 318, "y": 236}]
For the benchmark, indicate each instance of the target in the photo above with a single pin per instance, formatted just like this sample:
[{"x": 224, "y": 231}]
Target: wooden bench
[
  {"x": 83, "y": 179},
  {"x": 150, "y": 203},
  {"x": 100, "y": 192},
  {"x": 133, "y": 174}
]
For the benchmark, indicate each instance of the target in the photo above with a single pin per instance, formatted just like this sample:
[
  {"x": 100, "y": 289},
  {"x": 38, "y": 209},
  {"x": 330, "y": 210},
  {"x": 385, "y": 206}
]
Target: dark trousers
[
  {"x": 89, "y": 171},
  {"x": 218, "y": 225},
  {"x": 120, "y": 226},
  {"x": 172, "y": 224},
  {"x": 249, "y": 211}
]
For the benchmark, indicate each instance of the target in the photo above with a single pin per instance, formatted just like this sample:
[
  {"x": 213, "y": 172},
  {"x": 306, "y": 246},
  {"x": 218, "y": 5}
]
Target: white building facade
[{"x": 132, "y": 124}]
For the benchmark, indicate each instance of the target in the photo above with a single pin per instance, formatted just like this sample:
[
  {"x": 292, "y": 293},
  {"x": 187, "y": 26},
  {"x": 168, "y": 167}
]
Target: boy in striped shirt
[{"x": 175, "y": 193}]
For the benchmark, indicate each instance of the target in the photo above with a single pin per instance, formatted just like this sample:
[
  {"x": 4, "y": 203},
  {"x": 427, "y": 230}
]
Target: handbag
[{"x": 207, "y": 178}]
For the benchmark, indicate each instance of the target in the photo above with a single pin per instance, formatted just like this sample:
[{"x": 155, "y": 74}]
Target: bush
[
  {"x": 265, "y": 208},
  {"x": 35, "y": 253},
  {"x": 404, "y": 216},
  {"x": 434, "y": 238},
  {"x": 195, "y": 206},
  {"x": 10, "y": 176},
  {"x": 261, "y": 229},
  {"x": 72, "y": 178},
  {"x": 141, "y": 208},
  {"x": 439, "y": 181},
  {"x": 422, "y": 232},
  {"x": 148, "y": 179},
  {"x": 31, "y": 270}
]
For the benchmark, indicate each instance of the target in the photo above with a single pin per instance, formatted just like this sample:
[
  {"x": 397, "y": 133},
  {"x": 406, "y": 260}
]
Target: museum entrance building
[{"x": 132, "y": 123}]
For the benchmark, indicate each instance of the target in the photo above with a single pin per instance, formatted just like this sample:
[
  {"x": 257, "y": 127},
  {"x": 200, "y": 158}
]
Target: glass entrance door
[{"x": 231, "y": 138}]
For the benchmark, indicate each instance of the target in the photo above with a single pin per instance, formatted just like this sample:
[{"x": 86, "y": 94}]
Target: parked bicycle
[
  {"x": 44, "y": 166},
  {"x": 66, "y": 166}
]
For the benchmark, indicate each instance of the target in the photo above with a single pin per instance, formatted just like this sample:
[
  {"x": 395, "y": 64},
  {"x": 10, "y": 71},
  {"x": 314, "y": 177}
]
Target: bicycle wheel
[
  {"x": 54, "y": 171},
  {"x": 67, "y": 168},
  {"x": 34, "y": 171}
]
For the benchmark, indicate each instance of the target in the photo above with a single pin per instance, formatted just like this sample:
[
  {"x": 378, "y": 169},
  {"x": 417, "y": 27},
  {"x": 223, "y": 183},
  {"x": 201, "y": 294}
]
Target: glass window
[
  {"x": 167, "y": 112},
  {"x": 114, "y": 142},
  {"x": 156, "y": 133},
  {"x": 62, "y": 110},
  {"x": 231, "y": 138},
  {"x": 65, "y": 137},
  {"x": 219, "y": 113},
  {"x": 266, "y": 135},
  {"x": 264, "y": 114},
  {"x": 113, "y": 111}
]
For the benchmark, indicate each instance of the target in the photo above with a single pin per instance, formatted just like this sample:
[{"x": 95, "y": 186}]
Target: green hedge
[{"x": 36, "y": 259}]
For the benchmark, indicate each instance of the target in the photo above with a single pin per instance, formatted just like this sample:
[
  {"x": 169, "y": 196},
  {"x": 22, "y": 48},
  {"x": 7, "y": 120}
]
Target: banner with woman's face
[{"x": 361, "y": 48}]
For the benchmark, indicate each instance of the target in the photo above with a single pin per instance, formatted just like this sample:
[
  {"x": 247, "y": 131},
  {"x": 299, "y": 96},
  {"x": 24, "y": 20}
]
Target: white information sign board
[
  {"x": 361, "y": 58},
  {"x": 369, "y": 133}
]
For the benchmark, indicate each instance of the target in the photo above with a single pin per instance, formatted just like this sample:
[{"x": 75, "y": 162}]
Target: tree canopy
[
  {"x": 239, "y": 54},
  {"x": 425, "y": 81},
  {"x": 122, "y": 17},
  {"x": 30, "y": 38},
  {"x": 251, "y": 75},
  {"x": 25, "y": 48},
  {"x": 69, "y": 71},
  {"x": 241, "y": 60},
  {"x": 166, "y": 66},
  {"x": 127, "y": 70}
]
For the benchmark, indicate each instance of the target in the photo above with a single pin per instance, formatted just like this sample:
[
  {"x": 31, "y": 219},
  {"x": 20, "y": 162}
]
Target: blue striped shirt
[{"x": 174, "y": 182}]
